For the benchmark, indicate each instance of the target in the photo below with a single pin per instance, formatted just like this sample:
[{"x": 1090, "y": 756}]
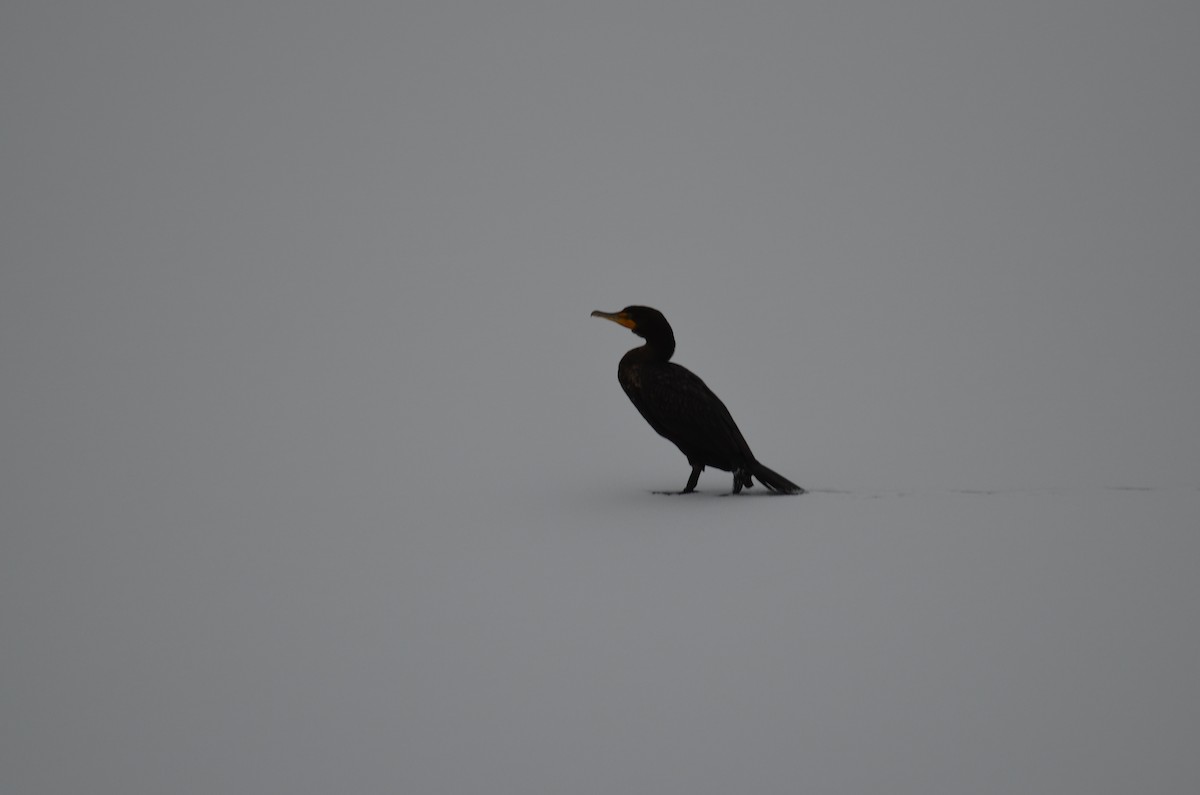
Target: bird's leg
[
  {"x": 690, "y": 488},
  {"x": 741, "y": 478}
]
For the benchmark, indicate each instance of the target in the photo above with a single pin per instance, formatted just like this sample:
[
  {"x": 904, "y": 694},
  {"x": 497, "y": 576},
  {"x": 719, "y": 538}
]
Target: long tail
[{"x": 773, "y": 480}]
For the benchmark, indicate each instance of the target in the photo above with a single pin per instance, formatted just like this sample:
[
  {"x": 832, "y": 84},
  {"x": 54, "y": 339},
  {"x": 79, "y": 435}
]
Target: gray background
[{"x": 316, "y": 476}]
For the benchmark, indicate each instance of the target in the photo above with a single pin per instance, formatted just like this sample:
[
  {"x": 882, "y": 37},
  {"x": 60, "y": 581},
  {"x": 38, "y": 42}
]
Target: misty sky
[{"x": 295, "y": 344}]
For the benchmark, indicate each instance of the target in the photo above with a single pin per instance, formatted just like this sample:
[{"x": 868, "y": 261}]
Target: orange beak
[{"x": 620, "y": 318}]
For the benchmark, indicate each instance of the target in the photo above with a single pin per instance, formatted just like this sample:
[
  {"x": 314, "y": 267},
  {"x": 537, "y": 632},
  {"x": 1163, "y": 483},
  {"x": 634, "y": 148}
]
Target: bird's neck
[{"x": 657, "y": 349}]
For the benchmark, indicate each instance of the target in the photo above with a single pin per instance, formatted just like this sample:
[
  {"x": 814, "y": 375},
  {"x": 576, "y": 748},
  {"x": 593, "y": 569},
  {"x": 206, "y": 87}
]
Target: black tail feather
[{"x": 774, "y": 481}]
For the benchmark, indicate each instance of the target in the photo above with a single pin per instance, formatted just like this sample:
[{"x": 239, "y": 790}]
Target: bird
[{"x": 681, "y": 407}]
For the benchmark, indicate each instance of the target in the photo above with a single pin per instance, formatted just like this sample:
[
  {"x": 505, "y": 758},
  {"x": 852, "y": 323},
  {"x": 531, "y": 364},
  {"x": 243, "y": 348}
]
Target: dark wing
[{"x": 681, "y": 407}]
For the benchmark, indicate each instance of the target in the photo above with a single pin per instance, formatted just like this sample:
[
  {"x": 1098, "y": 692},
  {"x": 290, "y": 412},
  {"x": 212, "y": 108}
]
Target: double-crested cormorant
[{"x": 682, "y": 408}]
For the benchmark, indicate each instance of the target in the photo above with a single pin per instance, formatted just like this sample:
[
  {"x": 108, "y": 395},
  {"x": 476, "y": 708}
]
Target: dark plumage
[{"x": 681, "y": 408}]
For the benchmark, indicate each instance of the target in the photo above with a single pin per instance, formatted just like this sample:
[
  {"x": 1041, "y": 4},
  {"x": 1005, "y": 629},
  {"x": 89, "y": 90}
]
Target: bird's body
[{"x": 681, "y": 407}]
